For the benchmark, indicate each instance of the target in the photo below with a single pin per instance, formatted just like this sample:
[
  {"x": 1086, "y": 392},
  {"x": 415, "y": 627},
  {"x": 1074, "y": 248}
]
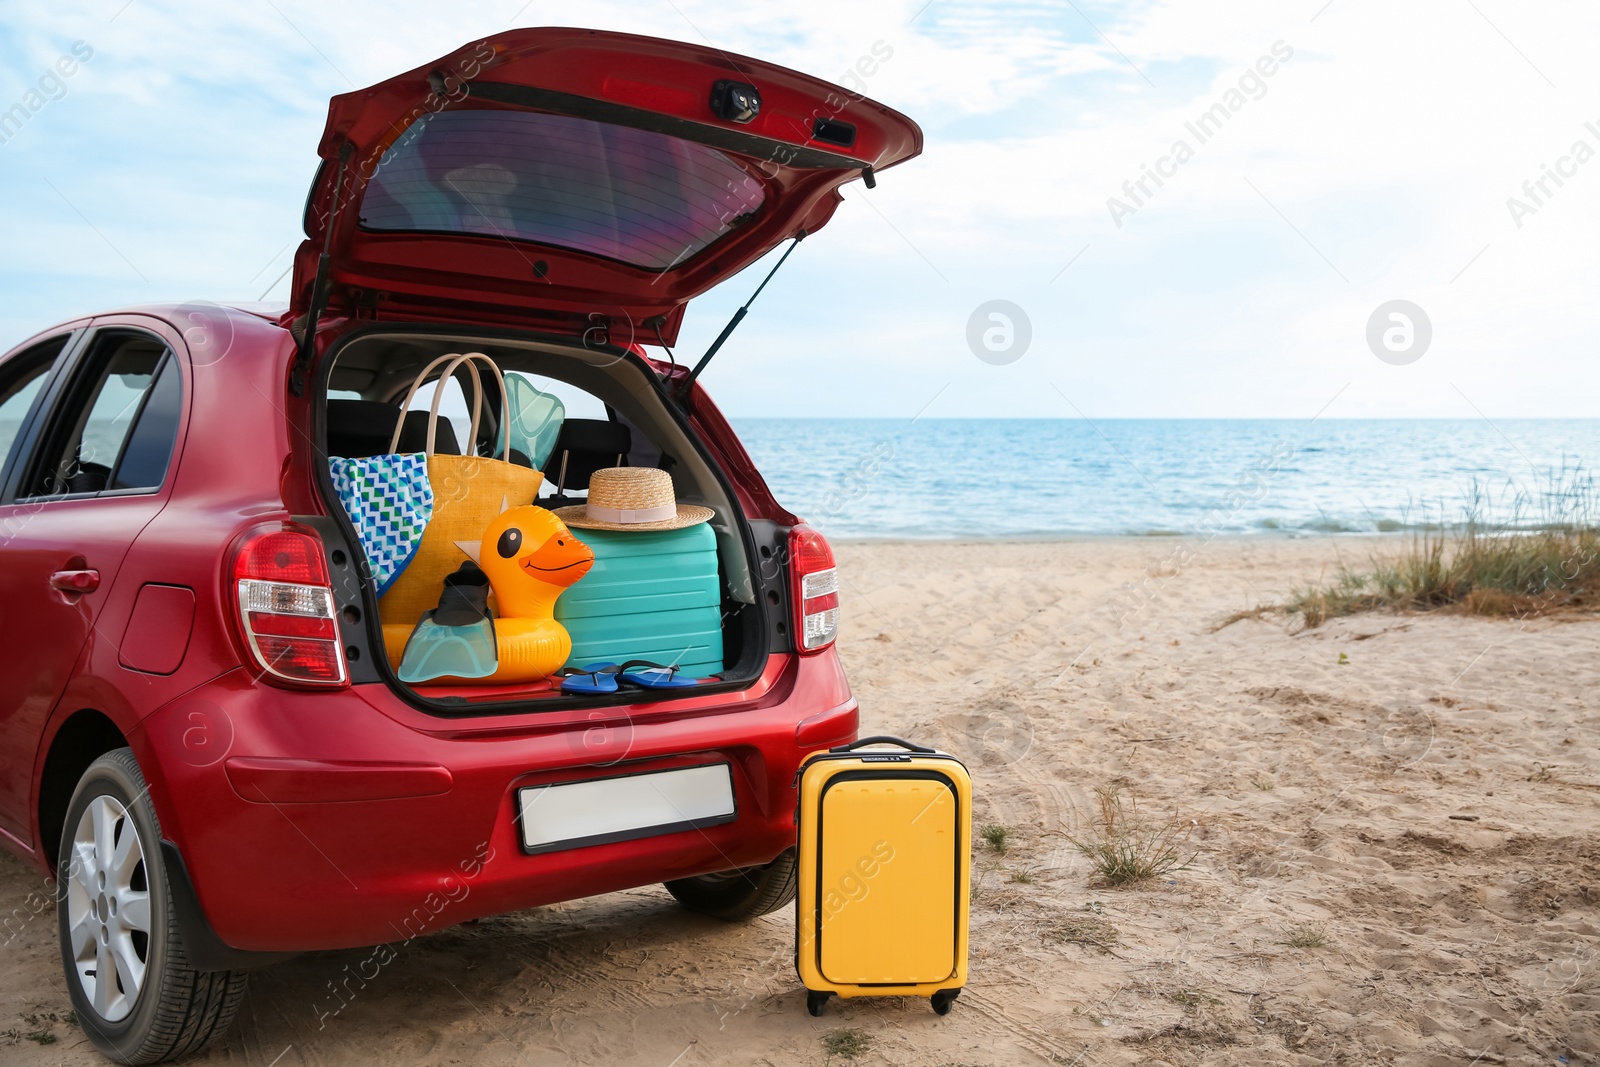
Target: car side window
[
  {"x": 117, "y": 423},
  {"x": 148, "y": 449},
  {"x": 20, "y": 383}
]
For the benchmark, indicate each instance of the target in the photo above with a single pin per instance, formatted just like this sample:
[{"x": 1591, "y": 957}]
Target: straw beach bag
[{"x": 468, "y": 493}]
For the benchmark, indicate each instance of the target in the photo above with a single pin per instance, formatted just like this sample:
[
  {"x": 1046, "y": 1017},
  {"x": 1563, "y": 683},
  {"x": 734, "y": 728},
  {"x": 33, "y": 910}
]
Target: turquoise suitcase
[{"x": 650, "y": 595}]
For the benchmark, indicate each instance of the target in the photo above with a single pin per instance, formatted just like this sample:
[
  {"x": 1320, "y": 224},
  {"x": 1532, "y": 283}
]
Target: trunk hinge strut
[
  {"x": 320, "y": 285},
  {"x": 733, "y": 323}
]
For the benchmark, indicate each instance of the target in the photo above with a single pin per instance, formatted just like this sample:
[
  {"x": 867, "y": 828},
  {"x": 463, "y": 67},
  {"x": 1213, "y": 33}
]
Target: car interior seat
[
  {"x": 360, "y": 428},
  {"x": 582, "y": 447}
]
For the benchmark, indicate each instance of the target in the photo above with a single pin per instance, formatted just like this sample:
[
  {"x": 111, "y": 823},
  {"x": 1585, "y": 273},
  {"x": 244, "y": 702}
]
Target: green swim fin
[
  {"x": 456, "y": 639},
  {"x": 534, "y": 422}
]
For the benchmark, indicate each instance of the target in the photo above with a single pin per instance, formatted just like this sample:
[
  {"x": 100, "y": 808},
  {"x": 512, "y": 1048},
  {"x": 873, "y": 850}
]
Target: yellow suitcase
[{"x": 885, "y": 876}]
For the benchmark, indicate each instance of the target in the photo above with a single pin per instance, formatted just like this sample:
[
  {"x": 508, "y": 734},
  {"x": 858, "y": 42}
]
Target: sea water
[{"x": 1021, "y": 478}]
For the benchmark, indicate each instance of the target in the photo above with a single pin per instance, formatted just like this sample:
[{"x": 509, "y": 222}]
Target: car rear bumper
[{"x": 311, "y": 821}]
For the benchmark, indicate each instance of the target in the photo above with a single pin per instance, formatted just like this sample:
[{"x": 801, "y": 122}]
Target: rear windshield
[{"x": 644, "y": 198}]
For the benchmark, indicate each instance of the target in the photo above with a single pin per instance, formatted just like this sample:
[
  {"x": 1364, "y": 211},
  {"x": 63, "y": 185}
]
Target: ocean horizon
[
  {"x": 863, "y": 478},
  {"x": 1026, "y": 479}
]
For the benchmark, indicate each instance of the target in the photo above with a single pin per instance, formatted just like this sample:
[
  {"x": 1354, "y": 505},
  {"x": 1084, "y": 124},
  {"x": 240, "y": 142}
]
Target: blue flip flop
[
  {"x": 593, "y": 679},
  {"x": 649, "y": 675}
]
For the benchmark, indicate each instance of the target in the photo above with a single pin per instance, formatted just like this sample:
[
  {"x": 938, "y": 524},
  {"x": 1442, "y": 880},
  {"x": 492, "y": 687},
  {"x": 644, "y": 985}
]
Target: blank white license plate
[{"x": 602, "y": 810}]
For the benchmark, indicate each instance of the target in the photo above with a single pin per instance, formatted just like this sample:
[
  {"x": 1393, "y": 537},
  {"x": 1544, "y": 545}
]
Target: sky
[{"x": 1383, "y": 158}]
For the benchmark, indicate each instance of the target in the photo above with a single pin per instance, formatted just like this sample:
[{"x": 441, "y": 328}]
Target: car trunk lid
[{"x": 576, "y": 181}]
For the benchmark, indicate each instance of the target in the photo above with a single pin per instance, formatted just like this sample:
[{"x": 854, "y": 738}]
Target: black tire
[
  {"x": 943, "y": 999},
  {"x": 736, "y": 896},
  {"x": 816, "y": 1002},
  {"x": 175, "y": 1009}
]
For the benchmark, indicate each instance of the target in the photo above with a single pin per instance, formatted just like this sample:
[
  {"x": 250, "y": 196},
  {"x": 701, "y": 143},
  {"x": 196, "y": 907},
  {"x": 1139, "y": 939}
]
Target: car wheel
[
  {"x": 135, "y": 995},
  {"x": 741, "y": 894}
]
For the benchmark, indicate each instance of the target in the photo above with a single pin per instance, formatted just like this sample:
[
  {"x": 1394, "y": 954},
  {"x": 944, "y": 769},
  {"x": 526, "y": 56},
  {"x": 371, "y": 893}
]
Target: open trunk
[
  {"x": 614, "y": 399},
  {"x": 553, "y": 198}
]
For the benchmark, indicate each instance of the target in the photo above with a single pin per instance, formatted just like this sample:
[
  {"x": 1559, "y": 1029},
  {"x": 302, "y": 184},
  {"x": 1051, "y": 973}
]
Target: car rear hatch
[
  {"x": 745, "y": 606},
  {"x": 577, "y": 182}
]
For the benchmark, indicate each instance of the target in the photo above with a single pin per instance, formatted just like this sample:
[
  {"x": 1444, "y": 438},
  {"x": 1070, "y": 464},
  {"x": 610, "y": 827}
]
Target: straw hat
[{"x": 632, "y": 499}]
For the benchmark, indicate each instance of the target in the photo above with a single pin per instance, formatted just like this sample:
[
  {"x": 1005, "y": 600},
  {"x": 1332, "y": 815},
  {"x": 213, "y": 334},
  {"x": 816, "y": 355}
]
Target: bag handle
[
  {"x": 881, "y": 739},
  {"x": 505, "y": 398},
  {"x": 438, "y": 396},
  {"x": 454, "y": 360}
]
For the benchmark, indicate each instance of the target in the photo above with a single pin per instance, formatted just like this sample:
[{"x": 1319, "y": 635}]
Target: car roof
[{"x": 269, "y": 312}]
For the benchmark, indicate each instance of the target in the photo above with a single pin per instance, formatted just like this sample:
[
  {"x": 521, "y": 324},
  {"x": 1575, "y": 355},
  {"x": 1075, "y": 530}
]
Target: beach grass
[
  {"x": 1088, "y": 930},
  {"x": 997, "y": 837},
  {"x": 1124, "y": 848},
  {"x": 1309, "y": 936},
  {"x": 1541, "y": 558},
  {"x": 1022, "y": 875},
  {"x": 847, "y": 1043}
]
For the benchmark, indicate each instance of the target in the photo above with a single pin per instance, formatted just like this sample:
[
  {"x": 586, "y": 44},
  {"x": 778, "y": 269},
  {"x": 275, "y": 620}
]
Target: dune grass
[
  {"x": 1309, "y": 936},
  {"x": 1087, "y": 930},
  {"x": 1542, "y": 556},
  {"x": 998, "y": 837},
  {"x": 1125, "y": 848},
  {"x": 847, "y": 1043}
]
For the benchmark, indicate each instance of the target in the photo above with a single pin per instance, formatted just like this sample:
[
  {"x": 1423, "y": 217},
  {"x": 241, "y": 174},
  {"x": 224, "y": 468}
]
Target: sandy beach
[{"x": 1395, "y": 820}]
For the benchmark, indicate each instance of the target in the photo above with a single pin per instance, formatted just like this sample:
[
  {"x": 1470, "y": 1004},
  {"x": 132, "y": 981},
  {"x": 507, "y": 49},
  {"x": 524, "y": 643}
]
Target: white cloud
[{"x": 1390, "y": 142}]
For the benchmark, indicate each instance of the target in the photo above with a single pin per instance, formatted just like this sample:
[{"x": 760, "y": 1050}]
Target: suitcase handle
[{"x": 881, "y": 739}]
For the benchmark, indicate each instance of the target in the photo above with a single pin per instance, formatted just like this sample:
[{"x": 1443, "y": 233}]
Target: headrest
[
  {"x": 358, "y": 428},
  {"x": 588, "y": 445}
]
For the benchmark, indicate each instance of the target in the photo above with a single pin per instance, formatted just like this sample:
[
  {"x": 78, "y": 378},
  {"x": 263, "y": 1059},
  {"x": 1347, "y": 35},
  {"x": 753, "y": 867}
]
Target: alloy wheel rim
[{"x": 108, "y": 908}]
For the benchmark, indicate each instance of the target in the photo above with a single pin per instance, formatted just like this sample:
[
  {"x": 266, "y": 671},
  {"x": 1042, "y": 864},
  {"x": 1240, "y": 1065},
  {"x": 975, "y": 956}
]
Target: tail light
[
  {"x": 816, "y": 589},
  {"x": 286, "y": 609}
]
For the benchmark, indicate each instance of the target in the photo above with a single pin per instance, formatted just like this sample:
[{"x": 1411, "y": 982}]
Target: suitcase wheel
[
  {"x": 815, "y": 1001},
  {"x": 942, "y": 1000}
]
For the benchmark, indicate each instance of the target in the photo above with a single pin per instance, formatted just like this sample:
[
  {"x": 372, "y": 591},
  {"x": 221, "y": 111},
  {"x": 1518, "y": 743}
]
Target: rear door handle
[{"x": 79, "y": 581}]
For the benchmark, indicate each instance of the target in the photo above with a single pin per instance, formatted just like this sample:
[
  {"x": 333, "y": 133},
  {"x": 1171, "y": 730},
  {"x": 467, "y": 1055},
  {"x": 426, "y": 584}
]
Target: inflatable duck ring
[{"x": 530, "y": 558}]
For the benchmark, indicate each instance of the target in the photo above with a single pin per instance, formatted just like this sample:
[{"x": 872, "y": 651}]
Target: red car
[{"x": 200, "y": 735}]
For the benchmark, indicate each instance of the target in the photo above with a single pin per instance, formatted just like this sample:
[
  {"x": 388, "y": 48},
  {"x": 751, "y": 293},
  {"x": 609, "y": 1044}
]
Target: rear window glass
[{"x": 647, "y": 199}]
